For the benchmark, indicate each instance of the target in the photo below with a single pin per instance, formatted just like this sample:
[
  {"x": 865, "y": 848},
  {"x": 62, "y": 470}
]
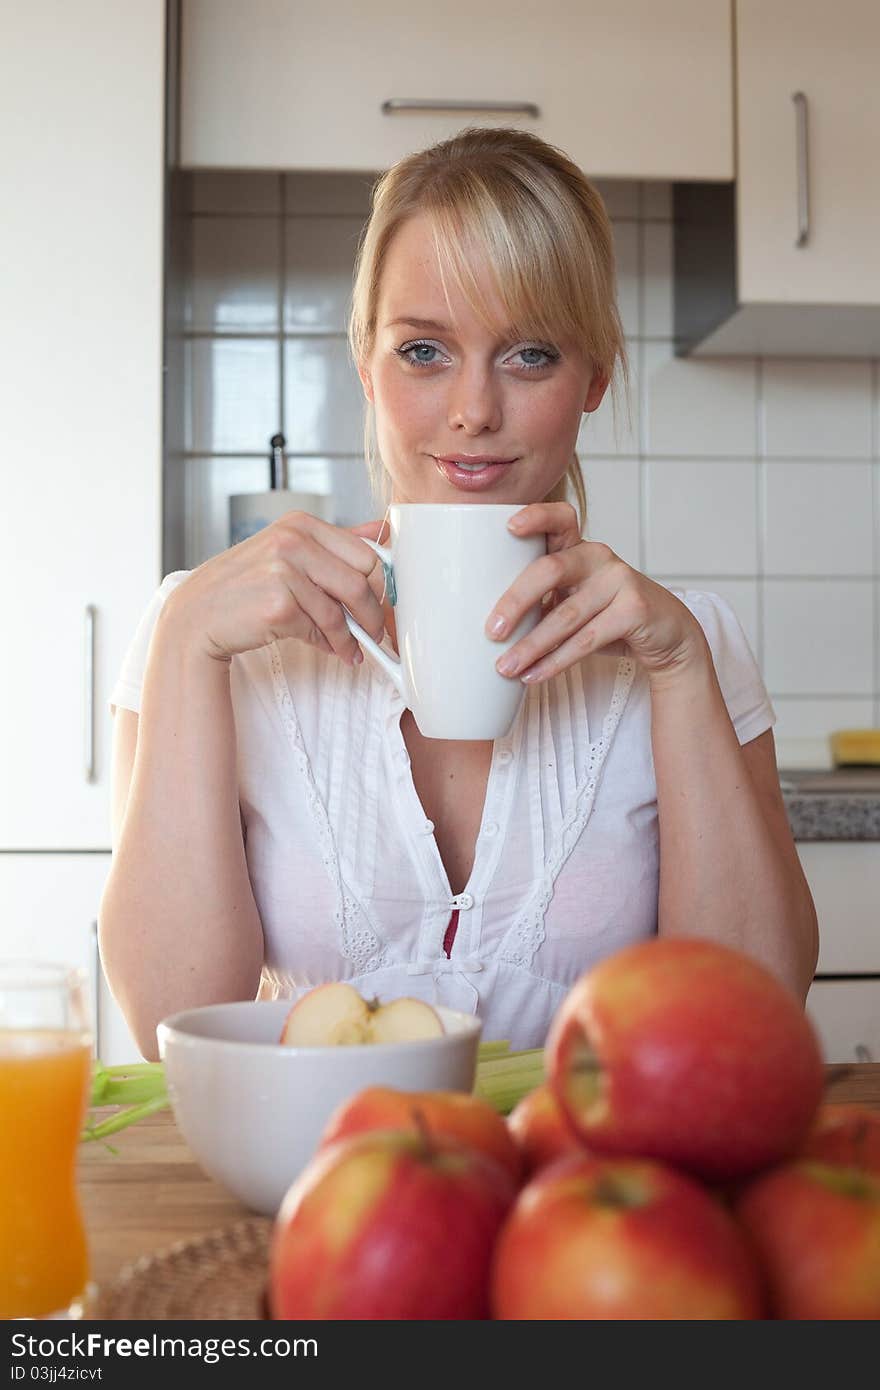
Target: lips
[{"x": 473, "y": 472}]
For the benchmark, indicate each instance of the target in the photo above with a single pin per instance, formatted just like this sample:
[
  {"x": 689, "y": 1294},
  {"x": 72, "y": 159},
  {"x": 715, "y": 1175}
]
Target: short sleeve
[
  {"x": 126, "y": 693},
  {"x": 745, "y": 694}
]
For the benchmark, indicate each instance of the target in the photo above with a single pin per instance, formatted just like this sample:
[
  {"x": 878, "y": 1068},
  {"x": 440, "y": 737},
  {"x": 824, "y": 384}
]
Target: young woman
[{"x": 278, "y": 818}]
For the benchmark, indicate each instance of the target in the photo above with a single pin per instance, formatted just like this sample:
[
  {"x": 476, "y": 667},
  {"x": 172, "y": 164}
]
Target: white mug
[{"x": 446, "y": 568}]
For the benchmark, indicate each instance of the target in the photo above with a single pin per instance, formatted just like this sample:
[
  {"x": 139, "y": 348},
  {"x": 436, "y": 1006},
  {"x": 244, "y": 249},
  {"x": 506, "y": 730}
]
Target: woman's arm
[
  {"x": 728, "y": 866},
  {"x": 178, "y": 924},
  {"x": 729, "y": 869}
]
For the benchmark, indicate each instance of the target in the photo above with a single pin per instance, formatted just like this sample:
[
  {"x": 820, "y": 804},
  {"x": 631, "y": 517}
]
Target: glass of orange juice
[{"x": 45, "y": 1083}]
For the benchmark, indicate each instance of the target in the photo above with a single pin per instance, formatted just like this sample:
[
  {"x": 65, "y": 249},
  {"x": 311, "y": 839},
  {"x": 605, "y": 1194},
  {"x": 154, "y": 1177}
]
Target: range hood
[{"x": 711, "y": 319}]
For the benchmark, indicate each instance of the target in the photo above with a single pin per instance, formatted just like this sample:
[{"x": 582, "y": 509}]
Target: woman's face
[{"x": 447, "y": 387}]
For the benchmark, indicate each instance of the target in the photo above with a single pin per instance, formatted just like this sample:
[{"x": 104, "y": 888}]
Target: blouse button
[
  {"x": 464, "y": 900},
  {"x": 428, "y": 827},
  {"x": 490, "y": 829}
]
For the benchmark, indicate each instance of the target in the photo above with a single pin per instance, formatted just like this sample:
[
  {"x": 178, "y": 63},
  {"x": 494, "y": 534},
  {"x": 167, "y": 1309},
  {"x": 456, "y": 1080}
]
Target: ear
[
  {"x": 366, "y": 382},
  {"x": 598, "y": 387}
]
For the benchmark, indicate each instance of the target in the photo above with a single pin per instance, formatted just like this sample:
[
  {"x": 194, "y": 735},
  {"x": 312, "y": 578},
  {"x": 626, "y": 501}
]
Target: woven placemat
[{"x": 211, "y": 1277}]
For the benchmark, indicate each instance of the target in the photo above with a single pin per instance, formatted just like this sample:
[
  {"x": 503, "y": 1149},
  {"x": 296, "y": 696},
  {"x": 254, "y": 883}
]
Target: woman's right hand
[{"x": 288, "y": 580}]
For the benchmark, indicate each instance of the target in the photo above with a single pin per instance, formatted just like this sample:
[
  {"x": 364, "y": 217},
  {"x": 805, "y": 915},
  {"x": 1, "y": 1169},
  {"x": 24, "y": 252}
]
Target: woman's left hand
[{"x": 597, "y": 599}]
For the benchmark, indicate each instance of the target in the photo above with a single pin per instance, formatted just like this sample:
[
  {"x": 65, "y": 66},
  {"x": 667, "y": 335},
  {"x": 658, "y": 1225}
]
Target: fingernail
[
  {"x": 507, "y": 665},
  {"x": 357, "y": 658},
  {"x": 497, "y": 626}
]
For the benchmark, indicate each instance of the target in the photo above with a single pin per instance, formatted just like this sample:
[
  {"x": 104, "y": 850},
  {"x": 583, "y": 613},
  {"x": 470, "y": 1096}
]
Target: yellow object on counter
[{"x": 849, "y": 746}]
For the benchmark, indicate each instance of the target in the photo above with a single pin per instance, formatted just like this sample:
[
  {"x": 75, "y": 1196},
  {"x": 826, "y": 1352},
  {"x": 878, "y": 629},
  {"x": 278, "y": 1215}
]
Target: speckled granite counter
[{"x": 843, "y": 804}]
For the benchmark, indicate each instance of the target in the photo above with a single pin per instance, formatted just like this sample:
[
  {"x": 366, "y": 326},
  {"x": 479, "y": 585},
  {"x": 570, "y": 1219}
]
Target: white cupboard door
[
  {"x": 80, "y": 427},
  {"x": 830, "y": 54},
  {"x": 844, "y": 879},
  {"x": 49, "y": 912},
  {"x": 628, "y": 88},
  {"x": 846, "y": 1014}
]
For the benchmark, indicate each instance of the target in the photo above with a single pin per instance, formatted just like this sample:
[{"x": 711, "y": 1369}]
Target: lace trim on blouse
[
  {"x": 526, "y": 934},
  {"x": 357, "y": 941}
]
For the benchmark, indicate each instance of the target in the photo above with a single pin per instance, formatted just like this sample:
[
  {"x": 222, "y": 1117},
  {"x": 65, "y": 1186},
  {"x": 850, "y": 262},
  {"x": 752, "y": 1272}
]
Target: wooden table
[{"x": 152, "y": 1193}]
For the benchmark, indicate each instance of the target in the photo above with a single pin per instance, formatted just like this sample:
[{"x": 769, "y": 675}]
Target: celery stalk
[
  {"x": 126, "y": 1117},
  {"x": 138, "y": 1090},
  {"x": 504, "y": 1080}
]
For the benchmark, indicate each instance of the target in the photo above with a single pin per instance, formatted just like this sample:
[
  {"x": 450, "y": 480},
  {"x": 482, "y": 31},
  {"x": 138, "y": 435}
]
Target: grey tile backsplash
[{"x": 758, "y": 479}]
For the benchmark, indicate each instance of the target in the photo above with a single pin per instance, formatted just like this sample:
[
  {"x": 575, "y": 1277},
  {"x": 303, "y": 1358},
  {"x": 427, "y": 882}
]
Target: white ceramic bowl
[{"x": 252, "y": 1111}]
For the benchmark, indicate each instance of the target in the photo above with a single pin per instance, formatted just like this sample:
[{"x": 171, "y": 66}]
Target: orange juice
[{"x": 45, "y": 1077}]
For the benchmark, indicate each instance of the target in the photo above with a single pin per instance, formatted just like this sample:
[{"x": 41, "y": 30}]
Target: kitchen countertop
[
  {"x": 151, "y": 1193},
  {"x": 832, "y": 804}
]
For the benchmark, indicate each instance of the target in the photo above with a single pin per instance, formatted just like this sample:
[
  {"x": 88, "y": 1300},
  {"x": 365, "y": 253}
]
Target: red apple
[
  {"x": 609, "y": 1239},
  {"x": 454, "y": 1114},
  {"x": 816, "y": 1231},
  {"x": 388, "y": 1225},
  {"x": 541, "y": 1129},
  {"x": 689, "y": 1052},
  {"x": 845, "y": 1134}
]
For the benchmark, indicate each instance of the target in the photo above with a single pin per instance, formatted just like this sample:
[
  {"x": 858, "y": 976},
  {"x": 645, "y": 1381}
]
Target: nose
[{"x": 475, "y": 401}]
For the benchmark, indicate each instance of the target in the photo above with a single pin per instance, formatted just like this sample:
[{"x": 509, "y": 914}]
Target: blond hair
[{"x": 523, "y": 206}]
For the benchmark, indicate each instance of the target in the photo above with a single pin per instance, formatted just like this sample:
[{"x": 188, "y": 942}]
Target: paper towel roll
[{"x": 249, "y": 512}]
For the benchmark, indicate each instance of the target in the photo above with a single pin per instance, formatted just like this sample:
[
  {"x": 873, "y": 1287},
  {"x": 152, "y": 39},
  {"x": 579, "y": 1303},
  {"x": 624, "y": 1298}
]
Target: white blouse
[{"x": 343, "y": 862}]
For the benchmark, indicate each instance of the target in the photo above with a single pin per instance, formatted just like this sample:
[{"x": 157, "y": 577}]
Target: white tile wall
[
  {"x": 700, "y": 516},
  {"x": 752, "y": 478},
  {"x": 233, "y": 401},
  {"x": 628, "y": 276},
  {"x": 233, "y": 288},
  {"x": 818, "y": 636},
  {"x": 817, "y": 409},
  {"x": 704, "y": 408},
  {"x": 319, "y": 253},
  {"x": 818, "y": 518},
  {"x": 614, "y": 504},
  {"x": 323, "y": 397},
  {"x": 657, "y": 308}
]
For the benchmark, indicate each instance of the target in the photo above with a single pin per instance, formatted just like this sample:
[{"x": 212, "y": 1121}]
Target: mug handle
[{"x": 389, "y": 664}]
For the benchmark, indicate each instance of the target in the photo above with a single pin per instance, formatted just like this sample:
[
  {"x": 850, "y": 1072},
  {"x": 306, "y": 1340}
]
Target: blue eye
[
  {"x": 407, "y": 348},
  {"x": 405, "y": 352},
  {"x": 542, "y": 352}
]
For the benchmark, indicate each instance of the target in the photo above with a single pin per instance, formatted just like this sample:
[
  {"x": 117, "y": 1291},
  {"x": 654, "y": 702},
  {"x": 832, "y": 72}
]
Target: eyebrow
[
  {"x": 419, "y": 323},
  {"x": 433, "y": 326}
]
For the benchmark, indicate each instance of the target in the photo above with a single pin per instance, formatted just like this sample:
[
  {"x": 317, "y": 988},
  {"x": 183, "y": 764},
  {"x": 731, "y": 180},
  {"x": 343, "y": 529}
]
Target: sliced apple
[
  {"x": 328, "y": 1016},
  {"x": 404, "y": 1020},
  {"x": 336, "y": 1015}
]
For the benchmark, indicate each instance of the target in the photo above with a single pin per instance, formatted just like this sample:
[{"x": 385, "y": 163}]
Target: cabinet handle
[
  {"x": 89, "y": 664},
  {"x": 863, "y": 1054},
  {"x": 803, "y": 168},
  {"x": 523, "y": 108}
]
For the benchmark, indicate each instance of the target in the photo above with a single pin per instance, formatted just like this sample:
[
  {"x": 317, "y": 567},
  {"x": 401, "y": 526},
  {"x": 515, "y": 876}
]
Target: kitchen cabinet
[
  {"x": 628, "y": 88},
  {"x": 846, "y": 1014},
  {"x": 49, "y": 913},
  {"x": 788, "y": 264},
  {"x": 844, "y": 1000},
  {"x": 80, "y": 438},
  {"x": 80, "y": 429}
]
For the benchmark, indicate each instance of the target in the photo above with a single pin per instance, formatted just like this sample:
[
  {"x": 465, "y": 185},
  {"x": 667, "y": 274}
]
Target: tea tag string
[{"x": 387, "y": 572}]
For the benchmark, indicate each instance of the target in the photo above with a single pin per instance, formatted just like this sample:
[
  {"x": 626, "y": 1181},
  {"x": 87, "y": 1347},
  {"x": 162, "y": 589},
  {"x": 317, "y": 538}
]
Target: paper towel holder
[
  {"x": 250, "y": 512},
  {"x": 277, "y": 462}
]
